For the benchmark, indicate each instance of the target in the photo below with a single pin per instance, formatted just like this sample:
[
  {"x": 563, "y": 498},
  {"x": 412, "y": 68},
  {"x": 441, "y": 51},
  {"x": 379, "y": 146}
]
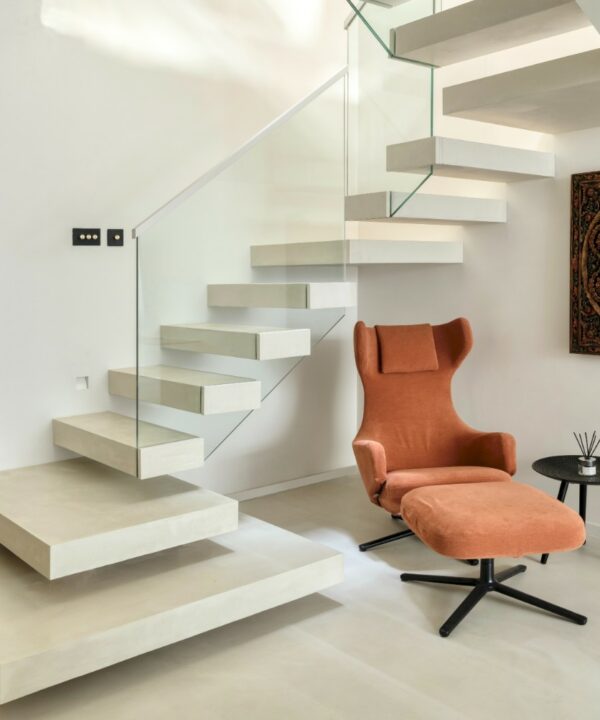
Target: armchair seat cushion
[
  {"x": 491, "y": 520},
  {"x": 400, "y": 482}
]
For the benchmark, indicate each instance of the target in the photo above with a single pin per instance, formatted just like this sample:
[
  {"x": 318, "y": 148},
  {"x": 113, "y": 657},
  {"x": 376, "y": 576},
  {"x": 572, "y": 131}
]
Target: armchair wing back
[{"x": 409, "y": 419}]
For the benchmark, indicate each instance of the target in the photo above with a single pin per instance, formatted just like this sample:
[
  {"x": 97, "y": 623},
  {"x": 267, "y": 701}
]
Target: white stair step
[
  {"x": 256, "y": 343},
  {"x": 196, "y": 391},
  {"x": 111, "y": 439},
  {"x": 554, "y": 97},
  {"x": 424, "y": 208},
  {"x": 404, "y": 252},
  {"x": 68, "y": 517},
  {"x": 481, "y": 27},
  {"x": 466, "y": 159},
  {"x": 304, "y": 296},
  {"x": 326, "y": 252},
  {"x": 358, "y": 252},
  {"x": 52, "y": 632}
]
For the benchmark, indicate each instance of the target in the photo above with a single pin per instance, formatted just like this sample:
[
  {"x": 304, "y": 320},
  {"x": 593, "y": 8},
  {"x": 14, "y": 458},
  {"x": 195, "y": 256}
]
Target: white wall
[
  {"x": 513, "y": 287},
  {"x": 108, "y": 109}
]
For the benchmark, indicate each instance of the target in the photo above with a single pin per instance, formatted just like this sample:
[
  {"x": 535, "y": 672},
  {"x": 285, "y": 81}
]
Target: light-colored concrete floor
[{"x": 369, "y": 648}]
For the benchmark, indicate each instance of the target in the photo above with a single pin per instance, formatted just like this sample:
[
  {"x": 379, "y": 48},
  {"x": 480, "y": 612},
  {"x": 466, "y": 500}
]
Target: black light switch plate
[
  {"x": 114, "y": 238},
  {"x": 86, "y": 236}
]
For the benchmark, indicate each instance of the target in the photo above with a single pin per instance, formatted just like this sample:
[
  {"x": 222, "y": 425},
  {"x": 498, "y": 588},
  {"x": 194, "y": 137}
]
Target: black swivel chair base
[
  {"x": 489, "y": 581},
  {"x": 364, "y": 547}
]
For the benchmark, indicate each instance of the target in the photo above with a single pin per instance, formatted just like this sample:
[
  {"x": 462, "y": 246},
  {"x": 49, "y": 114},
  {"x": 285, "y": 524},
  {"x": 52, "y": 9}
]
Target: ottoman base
[{"x": 489, "y": 581}]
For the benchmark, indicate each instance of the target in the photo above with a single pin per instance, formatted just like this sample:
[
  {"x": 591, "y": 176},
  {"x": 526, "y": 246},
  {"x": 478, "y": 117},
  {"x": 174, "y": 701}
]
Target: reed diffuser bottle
[{"x": 586, "y": 463}]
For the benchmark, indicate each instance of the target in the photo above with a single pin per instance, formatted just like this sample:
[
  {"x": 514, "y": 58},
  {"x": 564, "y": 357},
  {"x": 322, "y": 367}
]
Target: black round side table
[{"x": 564, "y": 468}]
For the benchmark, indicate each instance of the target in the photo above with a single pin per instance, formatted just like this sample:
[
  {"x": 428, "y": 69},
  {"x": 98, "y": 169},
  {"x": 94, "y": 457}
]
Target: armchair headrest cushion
[{"x": 406, "y": 348}]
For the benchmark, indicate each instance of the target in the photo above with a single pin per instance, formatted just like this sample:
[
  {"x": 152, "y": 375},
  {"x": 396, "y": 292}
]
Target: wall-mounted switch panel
[
  {"x": 114, "y": 238},
  {"x": 86, "y": 236}
]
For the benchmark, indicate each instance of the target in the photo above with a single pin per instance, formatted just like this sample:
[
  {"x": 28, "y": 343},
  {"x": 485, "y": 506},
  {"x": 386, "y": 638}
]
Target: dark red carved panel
[{"x": 585, "y": 263}]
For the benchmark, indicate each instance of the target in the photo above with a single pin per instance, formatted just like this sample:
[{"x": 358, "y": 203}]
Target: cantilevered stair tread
[
  {"x": 144, "y": 452},
  {"x": 554, "y": 97},
  {"x": 67, "y": 517},
  {"x": 466, "y": 159},
  {"x": 322, "y": 252},
  {"x": 58, "y": 631},
  {"x": 301, "y": 296},
  {"x": 358, "y": 252},
  {"x": 244, "y": 341},
  {"x": 424, "y": 208},
  {"x": 481, "y": 27},
  {"x": 196, "y": 391}
]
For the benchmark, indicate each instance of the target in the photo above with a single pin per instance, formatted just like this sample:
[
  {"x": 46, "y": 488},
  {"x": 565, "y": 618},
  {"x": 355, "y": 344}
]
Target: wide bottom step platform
[
  {"x": 67, "y": 517},
  {"x": 52, "y": 631}
]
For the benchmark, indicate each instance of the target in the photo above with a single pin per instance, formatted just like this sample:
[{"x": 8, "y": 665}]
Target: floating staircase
[
  {"x": 481, "y": 27},
  {"x": 98, "y": 567},
  {"x": 140, "y": 565},
  {"x": 538, "y": 97},
  {"x": 145, "y": 564}
]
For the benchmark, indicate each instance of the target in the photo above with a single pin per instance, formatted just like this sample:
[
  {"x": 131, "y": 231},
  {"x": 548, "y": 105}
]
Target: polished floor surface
[{"x": 367, "y": 649}]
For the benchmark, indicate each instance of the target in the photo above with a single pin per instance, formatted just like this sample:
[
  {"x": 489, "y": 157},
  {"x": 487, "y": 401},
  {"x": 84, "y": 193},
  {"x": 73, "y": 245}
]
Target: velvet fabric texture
[
  {"x": 491, "y": 520},
  {"x": 411, "y": 435}
]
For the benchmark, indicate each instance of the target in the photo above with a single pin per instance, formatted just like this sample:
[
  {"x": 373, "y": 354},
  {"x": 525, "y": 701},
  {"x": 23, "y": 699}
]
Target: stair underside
[
  {"x": 472, "y": 160},
  {"x": 301, "y": 296},
  {"x": 112, "y": 439},
  {"x": 423, "y": 208},
  {"x": 481, "y": 27},
  {"x": 195, "y": 391},
  {"x": 68, "y": 517},
  {"x": 556, "y": 96},
  {"x": 256, "y": 343},
  {"x": 52, "y": 632},
  {"x": 358, "y": 252}
]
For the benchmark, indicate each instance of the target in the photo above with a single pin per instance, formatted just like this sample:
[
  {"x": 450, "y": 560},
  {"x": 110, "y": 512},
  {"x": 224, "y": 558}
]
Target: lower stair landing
[
  {"x": 68, "y": 517},
  {"x": 55, "y": 631}
]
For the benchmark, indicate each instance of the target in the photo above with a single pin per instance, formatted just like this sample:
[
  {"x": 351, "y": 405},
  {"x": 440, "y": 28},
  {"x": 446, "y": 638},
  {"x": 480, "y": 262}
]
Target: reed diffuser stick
[{"x": 587, "y": 445}]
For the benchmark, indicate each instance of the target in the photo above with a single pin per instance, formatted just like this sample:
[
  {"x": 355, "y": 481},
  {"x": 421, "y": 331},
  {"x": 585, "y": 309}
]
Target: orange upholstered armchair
[{"x": 411, "y": 435}]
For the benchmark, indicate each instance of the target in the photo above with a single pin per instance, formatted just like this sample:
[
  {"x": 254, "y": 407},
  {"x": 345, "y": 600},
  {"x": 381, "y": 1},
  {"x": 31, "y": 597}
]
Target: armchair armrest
[
  {"x": 371, "y": 461},
  {"x": 496, "y": 449}
]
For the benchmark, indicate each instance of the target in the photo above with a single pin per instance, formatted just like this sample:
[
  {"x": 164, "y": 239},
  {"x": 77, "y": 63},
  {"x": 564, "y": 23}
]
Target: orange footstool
[{"x": 486, "y": 521}]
